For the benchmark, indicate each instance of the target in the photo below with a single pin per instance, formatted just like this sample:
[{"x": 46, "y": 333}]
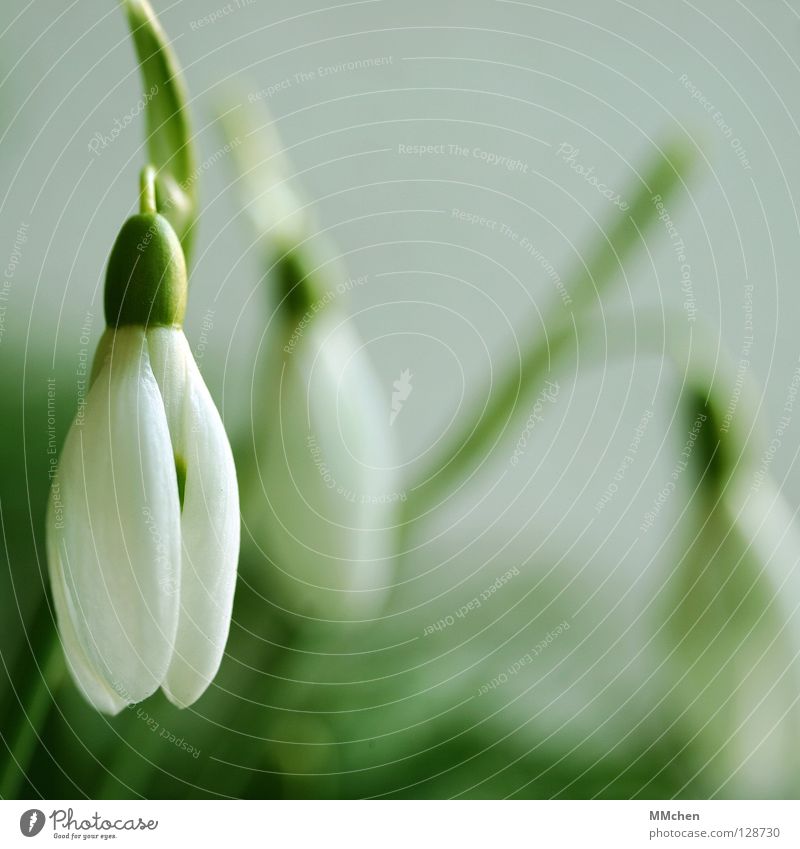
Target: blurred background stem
[{"x": 606, "y": 259}]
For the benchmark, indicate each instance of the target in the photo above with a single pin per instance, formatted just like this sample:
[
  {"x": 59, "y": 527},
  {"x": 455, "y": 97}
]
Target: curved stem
[
  {"x": 170, "y": 144},
  {"x": 462, "y": 455}
]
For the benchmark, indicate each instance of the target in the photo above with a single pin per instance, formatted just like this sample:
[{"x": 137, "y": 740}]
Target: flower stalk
[{"x": 170, "y": 145}]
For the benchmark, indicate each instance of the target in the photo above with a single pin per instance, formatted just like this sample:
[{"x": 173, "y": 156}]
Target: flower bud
[
  {"x": 143, "y": 521},
  {"x": 146, "y": 278}
]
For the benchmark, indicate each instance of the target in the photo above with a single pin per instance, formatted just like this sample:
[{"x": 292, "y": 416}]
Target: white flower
[
  {"x": 143, "y": 523},
  {"x": 737, "y": 625},
  {"x": 734, "y": 611},
  {"x": 323, "y": 505}
]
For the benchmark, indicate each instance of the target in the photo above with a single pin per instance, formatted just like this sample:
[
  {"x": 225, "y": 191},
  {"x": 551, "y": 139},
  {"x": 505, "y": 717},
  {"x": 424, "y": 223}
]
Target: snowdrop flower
[
  {"x": 143, "y": 519},
  {"x": 735, "y": 599},
  {"x": 322, "y": 506}
]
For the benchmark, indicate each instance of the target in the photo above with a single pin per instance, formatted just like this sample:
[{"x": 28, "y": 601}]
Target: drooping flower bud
[
  {"x": 143, "y": 520},
  {"x": 323, "y": 506}
]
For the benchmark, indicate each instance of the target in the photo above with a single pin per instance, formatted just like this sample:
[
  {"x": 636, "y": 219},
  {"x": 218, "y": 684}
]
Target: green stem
[
  {"x": 147, "y": 195},
  {"x": 170, "y": 143},
  {"x": 478, "y": 438},
  {"x": 41, "y": 667}
]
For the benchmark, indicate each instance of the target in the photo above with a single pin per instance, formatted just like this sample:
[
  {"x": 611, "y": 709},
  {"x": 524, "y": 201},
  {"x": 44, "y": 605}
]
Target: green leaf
[
  {"x": 169, "y": 138},
  {"x": 478, "y": 437}
]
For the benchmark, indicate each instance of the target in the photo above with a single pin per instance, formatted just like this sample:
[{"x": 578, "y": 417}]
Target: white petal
[
  {"x": 102, "y": 353},
  {"x": 119, "y": 543},
  {"x": 766, "y": 704},
  {"x": 169, "y": 354},
  {"x": 210, "y": 531},
  {"x": 771, "y": 530},
  {"x": 94, "y": 687}
]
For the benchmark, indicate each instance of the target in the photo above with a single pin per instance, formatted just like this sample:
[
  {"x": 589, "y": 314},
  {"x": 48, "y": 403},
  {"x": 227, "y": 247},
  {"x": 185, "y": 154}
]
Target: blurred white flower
[
  {"x": 323, "y": 504},
  {"x": 735, "y": 613}
]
